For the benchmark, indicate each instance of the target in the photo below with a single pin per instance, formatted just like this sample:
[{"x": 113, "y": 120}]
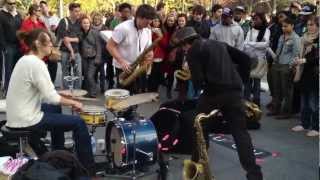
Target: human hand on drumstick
[{"x": 77, "y": 106}]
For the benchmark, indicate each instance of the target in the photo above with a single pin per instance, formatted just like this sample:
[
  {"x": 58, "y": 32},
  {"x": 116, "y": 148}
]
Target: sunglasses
[{"x": 13, "y": 3}]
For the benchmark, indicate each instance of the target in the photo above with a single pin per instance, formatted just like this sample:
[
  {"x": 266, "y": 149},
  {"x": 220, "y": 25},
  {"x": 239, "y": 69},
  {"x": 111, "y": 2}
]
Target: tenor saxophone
[
  {"x": 138, "y": 67},
  {"x": 199, "y": 170}
]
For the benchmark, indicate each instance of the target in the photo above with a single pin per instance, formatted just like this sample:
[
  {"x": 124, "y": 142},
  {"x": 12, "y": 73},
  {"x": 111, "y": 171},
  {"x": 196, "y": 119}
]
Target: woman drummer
[{"x": 29, "y": 87}]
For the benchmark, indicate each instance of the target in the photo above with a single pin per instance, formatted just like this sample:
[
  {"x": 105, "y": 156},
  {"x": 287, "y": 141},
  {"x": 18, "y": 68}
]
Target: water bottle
[{"x": 93, "y": 144}]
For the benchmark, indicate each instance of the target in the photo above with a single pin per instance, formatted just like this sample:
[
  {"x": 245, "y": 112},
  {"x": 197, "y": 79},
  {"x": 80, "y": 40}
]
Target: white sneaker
[
  {"x": 297, "y": 128},
  {"x": 312, "y": 133}
]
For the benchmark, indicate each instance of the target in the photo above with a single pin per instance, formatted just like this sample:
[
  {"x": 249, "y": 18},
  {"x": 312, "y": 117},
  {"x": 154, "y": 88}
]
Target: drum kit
[{"x": 129, "y": 143}]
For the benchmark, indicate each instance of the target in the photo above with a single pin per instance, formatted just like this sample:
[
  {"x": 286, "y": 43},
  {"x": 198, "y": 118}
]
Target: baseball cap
[
  {"x": 307, "y": 10},
  {"x": 227, "y": 12},
  {"x": 240, "y": 8}
]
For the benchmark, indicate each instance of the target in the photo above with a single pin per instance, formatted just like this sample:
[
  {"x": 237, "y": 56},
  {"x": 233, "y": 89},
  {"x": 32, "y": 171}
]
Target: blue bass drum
[{"x": 120, "y": 142}]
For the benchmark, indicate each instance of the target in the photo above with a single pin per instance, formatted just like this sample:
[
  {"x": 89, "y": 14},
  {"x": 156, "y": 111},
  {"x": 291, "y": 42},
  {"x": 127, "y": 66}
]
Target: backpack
[{"x": 36, "y": 170}]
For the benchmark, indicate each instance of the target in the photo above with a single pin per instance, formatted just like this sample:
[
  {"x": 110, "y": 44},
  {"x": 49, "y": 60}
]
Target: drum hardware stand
[
  {"x": 3, "y": 76},
  {"x": 70, "y": 80}
]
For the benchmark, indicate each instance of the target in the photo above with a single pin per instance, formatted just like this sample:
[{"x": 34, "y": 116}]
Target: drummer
[{"x": 30, "y": 86}]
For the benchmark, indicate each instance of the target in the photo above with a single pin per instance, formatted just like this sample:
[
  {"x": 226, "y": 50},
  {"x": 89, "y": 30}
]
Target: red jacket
[
  {"x": 161, "y": 51},
  {"x": 26, "y": 26}
]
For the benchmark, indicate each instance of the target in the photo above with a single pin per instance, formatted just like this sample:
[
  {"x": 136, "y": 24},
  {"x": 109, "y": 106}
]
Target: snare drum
[
  {"x": 93, "y": 115},
  {"x": 120, "y": 142},
  {"x": 113, "y": 96}
]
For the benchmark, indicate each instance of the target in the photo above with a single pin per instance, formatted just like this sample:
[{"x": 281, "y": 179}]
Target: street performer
[
  {"x": 130, "y": 39},
  {"x": 30, "y": 87},
  {"x": 220, "y": 70}
]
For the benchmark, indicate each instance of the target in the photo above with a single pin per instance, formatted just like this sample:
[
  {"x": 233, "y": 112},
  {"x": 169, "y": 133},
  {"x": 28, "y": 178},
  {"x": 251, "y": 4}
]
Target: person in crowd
[
  {"x": 295, "y": 8},
  {"x": 160, "y": 52},
  {"x": 125, "y": 10},
  {"x": 216, "y": 15},
  {"x": 51, "y": 21},
  {"x": 309, "y": 80},
  {"x": 288, "y": 49},
  {"x": 275, "y": 33},
  {"x": 68, "y": 32},
  {"x": 32, "y": 22},
  {"x": 228, "y": 31},
  {"x": 90, "y": 51},
  {"x": 306, "y": 12},
  {"x": 30, "y": 86},
  {"x": 180, "y": 62},
  {"x": 240, "y": 16},
  {"x": 97, "y": 24},
  {"x": 256, "y": 44},
  {"x": 130, "y": 39},
  {"x": 10, "y": 23},
  {"x": 197, "y": 21},
  {"x": 222, "y": 89},
  {"x": 170, "y": 26},
  {"x": 160, "y": 8}
]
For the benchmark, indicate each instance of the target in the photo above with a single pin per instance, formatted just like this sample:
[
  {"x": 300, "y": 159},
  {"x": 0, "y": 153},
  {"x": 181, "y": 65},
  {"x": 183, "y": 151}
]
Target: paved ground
[{"x": 294, "y": 156}]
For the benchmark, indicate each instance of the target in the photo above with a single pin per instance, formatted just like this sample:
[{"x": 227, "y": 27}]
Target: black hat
[{"x": 182, "y": 35}]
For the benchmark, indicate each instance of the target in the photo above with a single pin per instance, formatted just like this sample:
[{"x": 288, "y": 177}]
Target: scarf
[{"x": 307, "y": 43}]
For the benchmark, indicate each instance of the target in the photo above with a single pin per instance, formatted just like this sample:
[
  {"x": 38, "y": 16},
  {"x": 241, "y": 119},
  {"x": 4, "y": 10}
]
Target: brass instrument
[
  {"x": 183, "y": 74},
  {"x": 199, "y": 170},
  {"x": 253, "y": 111},
  {"x": 138, "y": 67}
]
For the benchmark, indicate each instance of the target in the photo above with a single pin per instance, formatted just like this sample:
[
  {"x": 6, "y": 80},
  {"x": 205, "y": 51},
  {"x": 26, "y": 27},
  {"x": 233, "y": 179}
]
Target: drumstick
[{"x": 84, "y": 99}]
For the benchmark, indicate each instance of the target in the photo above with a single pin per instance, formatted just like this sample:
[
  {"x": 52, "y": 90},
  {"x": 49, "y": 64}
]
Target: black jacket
[
  {"x": 202, "y": 28},
  {"x": 217, "y": 67},
  {"x": 309, "y": 81},
  {"x": 9, "y": 25}
]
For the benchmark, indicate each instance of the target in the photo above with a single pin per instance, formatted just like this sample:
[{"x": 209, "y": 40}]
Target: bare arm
[{"x": 112, "y": 47}]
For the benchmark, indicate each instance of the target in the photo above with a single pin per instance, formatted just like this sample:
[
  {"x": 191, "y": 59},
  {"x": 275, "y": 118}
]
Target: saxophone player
[
  {"x": 212, "y": 66},
  {"x": 129, "y": 39}
]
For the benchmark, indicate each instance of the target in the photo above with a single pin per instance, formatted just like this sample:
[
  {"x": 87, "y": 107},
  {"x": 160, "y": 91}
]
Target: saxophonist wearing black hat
[{"x": 220, "y": 70}]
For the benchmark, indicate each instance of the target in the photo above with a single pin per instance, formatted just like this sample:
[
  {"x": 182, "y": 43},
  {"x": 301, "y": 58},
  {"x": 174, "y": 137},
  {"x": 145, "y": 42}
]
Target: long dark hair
[
  {"x": 166, "y": 28},
  {"x": 263, "y": 27}
]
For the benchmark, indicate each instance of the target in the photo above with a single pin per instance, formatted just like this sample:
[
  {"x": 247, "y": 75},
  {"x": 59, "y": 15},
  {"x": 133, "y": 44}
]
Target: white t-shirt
[
  {"x": 131, "y": 41},
  {"x": 30, "y": 85}
]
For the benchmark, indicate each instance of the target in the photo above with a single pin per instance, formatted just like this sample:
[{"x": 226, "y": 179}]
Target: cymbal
[{"x": 135, "y": 100}]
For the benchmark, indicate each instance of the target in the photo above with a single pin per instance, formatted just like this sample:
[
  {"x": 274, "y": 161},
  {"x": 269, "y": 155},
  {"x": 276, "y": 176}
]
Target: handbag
[{"x": 260, "y": 70}]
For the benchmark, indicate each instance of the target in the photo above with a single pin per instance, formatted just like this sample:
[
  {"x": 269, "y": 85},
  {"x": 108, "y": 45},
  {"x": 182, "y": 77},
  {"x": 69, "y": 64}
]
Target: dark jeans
[
  {"x": 12, "y": 55},
  {"x": 232, "y": 108},
  {"x": 110, "y": 73},
  {"x": 52, "y": 68},
  {"x": 101, "y": 74},
  {"x": 310, "y": 110},
  {"x": 57, "y": 124},
  {"x": 89, "y": 70},
  {"x": 155, "y": 77},
  {"x": 282, "y": 88},
  {"x": 253, "y": 87}
]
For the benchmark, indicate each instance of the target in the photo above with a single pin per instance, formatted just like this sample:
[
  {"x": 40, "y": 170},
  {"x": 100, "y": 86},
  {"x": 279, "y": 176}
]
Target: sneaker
[
  {"x": 312, "y": 133},
  {"x": 297, "y": 128}
]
